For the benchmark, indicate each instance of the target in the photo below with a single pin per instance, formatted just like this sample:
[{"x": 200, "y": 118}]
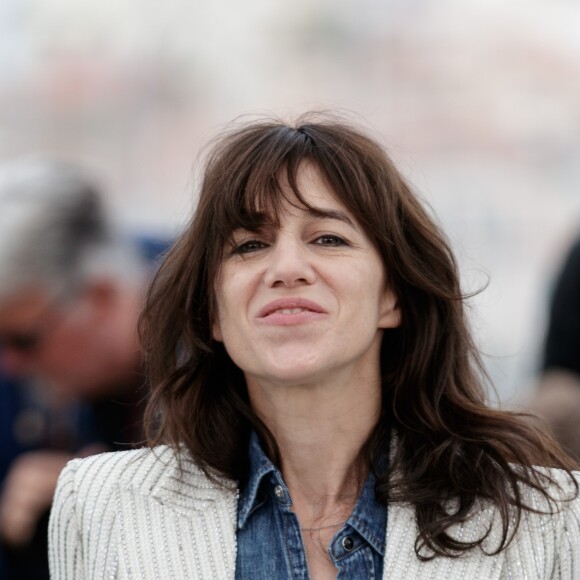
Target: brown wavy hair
[{"x": 450, "y": 445}]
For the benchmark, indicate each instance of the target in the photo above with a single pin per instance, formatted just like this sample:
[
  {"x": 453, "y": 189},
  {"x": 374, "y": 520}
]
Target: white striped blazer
[{"x": 136, "y": 515}]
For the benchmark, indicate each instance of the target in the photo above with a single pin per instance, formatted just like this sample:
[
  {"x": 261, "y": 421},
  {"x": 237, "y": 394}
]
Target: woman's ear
[{"x": 390, "y": 314}]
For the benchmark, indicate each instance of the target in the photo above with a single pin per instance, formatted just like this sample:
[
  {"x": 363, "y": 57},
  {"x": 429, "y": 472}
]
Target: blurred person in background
[
  {"x": 558, "y": 396},
  {"x": 70, "y": 292},
  {"x": 30, "y": 422}
]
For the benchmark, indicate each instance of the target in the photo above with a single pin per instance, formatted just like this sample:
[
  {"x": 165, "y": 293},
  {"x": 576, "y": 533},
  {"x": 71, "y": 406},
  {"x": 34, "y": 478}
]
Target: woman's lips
[{"x": 290, "y": 311}]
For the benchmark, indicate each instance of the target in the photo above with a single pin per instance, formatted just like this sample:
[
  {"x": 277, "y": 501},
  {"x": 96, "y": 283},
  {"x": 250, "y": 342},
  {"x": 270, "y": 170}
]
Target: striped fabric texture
[{"x": 152, "y": 514}]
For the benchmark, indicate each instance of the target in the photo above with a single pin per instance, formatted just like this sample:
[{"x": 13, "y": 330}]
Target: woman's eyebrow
[{"x": 333, "y": 214}]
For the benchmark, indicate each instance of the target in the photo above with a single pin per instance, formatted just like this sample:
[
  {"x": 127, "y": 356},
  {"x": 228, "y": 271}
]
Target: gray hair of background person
[{"x": 55, "y": 230}]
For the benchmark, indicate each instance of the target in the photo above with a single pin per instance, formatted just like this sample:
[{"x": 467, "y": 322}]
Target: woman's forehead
[{"x": 303, "y": 190}]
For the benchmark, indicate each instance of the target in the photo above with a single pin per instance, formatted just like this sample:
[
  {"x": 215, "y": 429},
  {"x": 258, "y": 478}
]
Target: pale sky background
[{"x": 478, "y": 101}]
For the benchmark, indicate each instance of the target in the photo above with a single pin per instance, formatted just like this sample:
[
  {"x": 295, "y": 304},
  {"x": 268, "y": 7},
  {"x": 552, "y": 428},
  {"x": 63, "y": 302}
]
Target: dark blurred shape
[
  {"x": 562, "y": 350},
  {"x": 71, "y": 288},
  {"x": 558, "y": 397}
]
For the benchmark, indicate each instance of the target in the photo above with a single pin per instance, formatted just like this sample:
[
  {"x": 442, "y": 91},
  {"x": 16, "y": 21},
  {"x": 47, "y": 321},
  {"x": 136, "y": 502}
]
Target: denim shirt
[{"x": 268, "y": 533}]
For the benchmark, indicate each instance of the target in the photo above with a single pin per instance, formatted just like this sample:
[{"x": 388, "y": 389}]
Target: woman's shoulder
[
  {"x": 117, "y": 467},
  {"x": 106, "y": 500},
  {"x": 548, "y": 537},
  {"x": 120, "y": 465},
  {"x": 142, "y": 470},
  {"x": 549, "y": 506},
  {"x": 560, "y": 504},
  {"x": 546, "y": 542},
  {"x": 550, "y": 510},
  {"x": 555, "y": 488}
]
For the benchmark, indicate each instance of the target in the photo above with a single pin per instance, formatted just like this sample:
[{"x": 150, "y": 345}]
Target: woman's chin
[{"x": 294, "y": 373}]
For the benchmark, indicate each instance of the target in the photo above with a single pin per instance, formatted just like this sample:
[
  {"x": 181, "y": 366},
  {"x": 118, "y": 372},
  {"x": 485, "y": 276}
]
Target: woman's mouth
[{"x": 290, "y": 311}]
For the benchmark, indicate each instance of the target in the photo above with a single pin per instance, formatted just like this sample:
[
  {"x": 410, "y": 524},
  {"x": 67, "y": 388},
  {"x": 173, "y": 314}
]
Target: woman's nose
[{"x": 289, "y": 265}]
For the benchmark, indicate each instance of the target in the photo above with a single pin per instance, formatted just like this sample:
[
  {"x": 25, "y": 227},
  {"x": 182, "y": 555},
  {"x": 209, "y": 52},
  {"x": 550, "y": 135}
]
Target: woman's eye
[
  {"x": 330, "y": 240},
  {"x": 248, "y": 247}
]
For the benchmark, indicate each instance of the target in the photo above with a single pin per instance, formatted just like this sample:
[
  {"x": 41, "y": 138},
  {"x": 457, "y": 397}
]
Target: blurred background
[{"x": 477, "y": 101}]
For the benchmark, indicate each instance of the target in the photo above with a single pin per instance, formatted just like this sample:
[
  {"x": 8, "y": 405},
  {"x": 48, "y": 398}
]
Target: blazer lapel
[{"x": 178, "y": 525}]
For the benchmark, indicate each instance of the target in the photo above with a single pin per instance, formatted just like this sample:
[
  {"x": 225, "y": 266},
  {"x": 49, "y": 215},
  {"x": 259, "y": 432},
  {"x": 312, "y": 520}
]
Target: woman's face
[{"x": 302, "y": 301}]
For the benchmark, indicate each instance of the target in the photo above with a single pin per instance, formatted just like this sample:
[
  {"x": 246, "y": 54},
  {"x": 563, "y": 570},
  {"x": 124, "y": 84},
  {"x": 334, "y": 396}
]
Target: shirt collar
[
  {"x": 369, "y": 517},
  {"x": 260, "y": 466}
]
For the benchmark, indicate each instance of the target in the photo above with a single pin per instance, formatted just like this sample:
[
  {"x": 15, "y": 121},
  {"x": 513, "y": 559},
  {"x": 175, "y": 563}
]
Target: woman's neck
[{"x": 320, "y": 430}]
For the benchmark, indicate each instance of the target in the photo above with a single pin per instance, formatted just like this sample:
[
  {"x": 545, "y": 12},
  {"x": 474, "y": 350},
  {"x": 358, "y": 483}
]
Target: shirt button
[
  {"x": 347, "y": 543},
  {"x": 279, "y": 492}
]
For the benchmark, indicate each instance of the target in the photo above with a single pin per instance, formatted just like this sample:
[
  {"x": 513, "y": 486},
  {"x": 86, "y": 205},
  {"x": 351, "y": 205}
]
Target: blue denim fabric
[{"x": 269, "y": 541}]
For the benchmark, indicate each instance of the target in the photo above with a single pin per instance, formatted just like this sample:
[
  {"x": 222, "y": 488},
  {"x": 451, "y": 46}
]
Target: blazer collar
[{"x": 181, "y": 485}]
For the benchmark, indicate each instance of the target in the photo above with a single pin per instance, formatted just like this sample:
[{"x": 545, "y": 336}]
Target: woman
[{"x": 317, "y": 407}]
